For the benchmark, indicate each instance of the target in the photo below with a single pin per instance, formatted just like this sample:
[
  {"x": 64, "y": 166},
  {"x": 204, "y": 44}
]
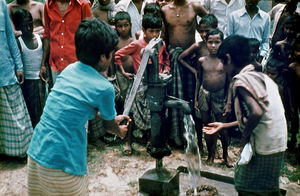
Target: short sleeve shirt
[{"x": 60, "y": 139}]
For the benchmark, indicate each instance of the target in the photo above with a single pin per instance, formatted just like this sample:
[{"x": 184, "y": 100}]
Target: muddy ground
[{"x": 113, "y": 173}]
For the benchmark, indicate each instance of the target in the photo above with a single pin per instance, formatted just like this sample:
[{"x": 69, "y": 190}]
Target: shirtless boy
[
  {"x": 197, "y": 50},
  {"x": 211, "y": 90},
  {"x": 35, "y": 8}
]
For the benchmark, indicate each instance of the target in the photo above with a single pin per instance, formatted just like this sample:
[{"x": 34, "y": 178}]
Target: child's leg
[
  {"x": 211, "y": 140},
  {"x": 128, "y": 141},
  {"x": 225, "y": 141}
]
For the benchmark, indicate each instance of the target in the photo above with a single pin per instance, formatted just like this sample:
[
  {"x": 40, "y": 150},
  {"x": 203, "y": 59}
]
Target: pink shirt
[{"x": 134, "y": 49}]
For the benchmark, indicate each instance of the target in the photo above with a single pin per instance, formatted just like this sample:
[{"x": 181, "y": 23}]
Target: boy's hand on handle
[
  {"x": 213, "y": 128},
  {"x": 43, "y": 73},
  {"x": 20, "y": 76},
  {"x": 123, "y": 127}
]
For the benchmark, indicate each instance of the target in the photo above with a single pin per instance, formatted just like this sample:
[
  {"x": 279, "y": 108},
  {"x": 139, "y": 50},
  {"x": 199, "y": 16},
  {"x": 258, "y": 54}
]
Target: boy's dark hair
[
  {"x": 238, "y": 48},
  {"x": 93, "y": 38},
  {"x": 274, "y": 62},
  {"x": 209, "y": 20},
  {"x": 19, "y": 16},
  {"x": 151, "y": 21},
  {"x": 122, "y": 16},
  {"x": 153, "y": 8},
  {"x": 215, "y": 32},
  {"x": 293, "y": 20},
  {"x": 254, "y": 43}
]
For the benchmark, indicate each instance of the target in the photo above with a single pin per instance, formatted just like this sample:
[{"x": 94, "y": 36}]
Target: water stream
[{"x": 192, "y": 155}]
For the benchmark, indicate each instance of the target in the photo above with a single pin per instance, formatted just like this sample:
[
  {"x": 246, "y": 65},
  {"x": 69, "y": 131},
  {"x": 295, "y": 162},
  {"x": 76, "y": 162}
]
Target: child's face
[
  {"x": 296, "y": 52},
  {"x": 203, "y": 30},
  {"x": 163, "y": 2},
  {"x": 252, "y": 3},
  {"x": 213, "y": 43},
  {"x": 123, "y": 28},
  {"x": 104, "y": 2},
  {"x": 272, "y": 72},
  {"x": 27, "y": 27},
  {"x": 254, "y": 53},
  {"x": 289, "y": 30},
  {"x": 151, "y": 33}
]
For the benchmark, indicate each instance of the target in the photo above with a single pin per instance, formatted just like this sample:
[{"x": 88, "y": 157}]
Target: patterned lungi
[
  {"x": 212, "y": 101},
  {"x": 139, "y": 109},
  {"x": 15, "y": 125},
  {"x": 261, "y": 174},
  {"x": 34, "y": 95},
  {"x": 46, "y": 181}
]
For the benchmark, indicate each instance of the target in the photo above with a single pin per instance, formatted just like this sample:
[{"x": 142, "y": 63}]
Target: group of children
[
  {"x": 212, "y": 100},
  {"x": 72, "y": 102}
]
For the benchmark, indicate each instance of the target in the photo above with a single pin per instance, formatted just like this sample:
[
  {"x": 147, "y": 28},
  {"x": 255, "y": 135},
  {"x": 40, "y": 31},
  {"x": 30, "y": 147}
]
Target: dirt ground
[{"x": 111, "y": 172}]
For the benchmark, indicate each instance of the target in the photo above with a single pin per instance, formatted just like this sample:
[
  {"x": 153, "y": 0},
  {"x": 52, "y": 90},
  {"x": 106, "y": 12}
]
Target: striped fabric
[
  {"x": 15, "y": 125},
  {"x": 46, "y": 181},
  {"x": 139, "y": 109}
]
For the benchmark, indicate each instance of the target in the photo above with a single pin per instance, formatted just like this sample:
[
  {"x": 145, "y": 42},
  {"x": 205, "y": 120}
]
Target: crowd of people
[{"x": 67, "y": 67}]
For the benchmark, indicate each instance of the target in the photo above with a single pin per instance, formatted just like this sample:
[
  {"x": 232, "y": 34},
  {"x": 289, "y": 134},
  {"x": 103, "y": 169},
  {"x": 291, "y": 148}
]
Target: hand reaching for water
[{"x": 213, "y": 128}]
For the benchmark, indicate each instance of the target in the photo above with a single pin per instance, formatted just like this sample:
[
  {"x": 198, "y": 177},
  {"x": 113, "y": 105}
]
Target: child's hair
[
  {"x": 254, "y": 43},
  {"x": 274, "y": 62},
  {"x": 19, "y": 16},
  {"x": 153, "y": 8},
  {"x": 209, "y": 20},
  {"x": 151, "y": 21},
  {"x": 122, "y": 16},
  {"x": 238, "y": 48},
  {"x": 215, "y": 32},
  {"x": 94, "y": 37},
  {"x": 293, "y": 20}
]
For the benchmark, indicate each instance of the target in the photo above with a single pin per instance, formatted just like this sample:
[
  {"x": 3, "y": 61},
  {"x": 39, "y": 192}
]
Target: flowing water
[{"x": 192, "y": 155}]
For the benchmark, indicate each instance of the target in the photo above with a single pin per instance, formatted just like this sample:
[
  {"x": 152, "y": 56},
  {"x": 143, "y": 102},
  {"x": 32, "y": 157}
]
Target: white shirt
[
  {"x": 240, "y": 23},
  {"x": 221, "y": 10}
]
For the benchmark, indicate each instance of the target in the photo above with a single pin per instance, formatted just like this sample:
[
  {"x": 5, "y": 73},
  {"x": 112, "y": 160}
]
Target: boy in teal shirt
[{"x": 58, "y": 150}]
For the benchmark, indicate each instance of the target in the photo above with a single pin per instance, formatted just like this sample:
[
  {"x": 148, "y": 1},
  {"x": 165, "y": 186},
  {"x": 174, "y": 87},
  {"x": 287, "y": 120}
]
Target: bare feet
[{"x": 228, "y": 162}]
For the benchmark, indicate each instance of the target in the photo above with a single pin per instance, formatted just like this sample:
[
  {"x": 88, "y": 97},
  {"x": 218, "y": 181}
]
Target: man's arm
[
  {"x": 46, "y": 51},
  {"x": 199, "y": 9},
  {"x": 188, "y": 52}
]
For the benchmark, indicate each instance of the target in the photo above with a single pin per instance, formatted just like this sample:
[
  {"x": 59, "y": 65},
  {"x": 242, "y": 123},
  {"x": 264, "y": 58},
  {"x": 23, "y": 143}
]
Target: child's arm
[
  {"x": 227, "y": 108},
  {"x": 123, "y": 52},
  {"x": 165, "y": 64},
  {"x": 46, "y": 51},
  {"x": 187, "y": 53}
]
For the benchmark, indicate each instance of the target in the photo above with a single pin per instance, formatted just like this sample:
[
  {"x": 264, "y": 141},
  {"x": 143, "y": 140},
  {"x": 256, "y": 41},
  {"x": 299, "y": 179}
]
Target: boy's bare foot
[
  {"x": 210, "y": 160},
  {"x": 218, "y": 155},
  {"x": 228, "y": 162},
  {"x": 127, "y": 149}
]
